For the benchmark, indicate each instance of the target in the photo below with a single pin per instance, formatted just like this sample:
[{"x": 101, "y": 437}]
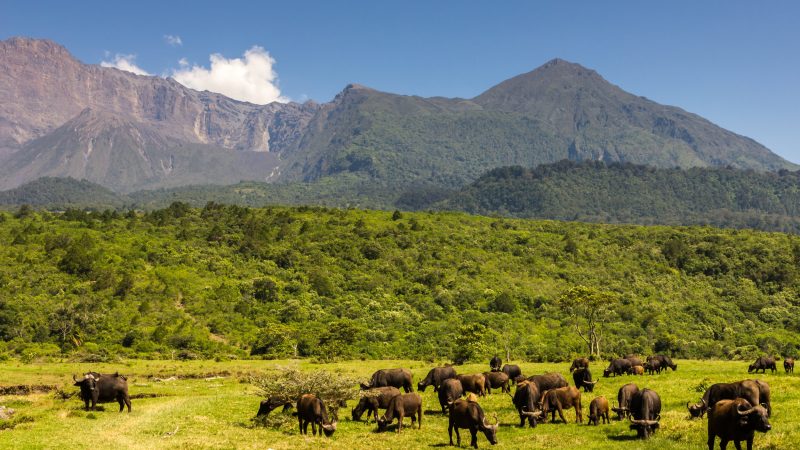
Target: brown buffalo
[
  {"x": 435, "y": 377},
  {"x": 400, "y": 406},
  {"x": 450, "y": 391},
  {"x": 698, "y": 410},
  {"x": 556, "y": 400},
  {"x": 526, "y": 401},
  {"x": 469, "y": 414},
  {"x": 636, "y": 370},
  {"x": 579, "y": 363},
  {"x": 736, "y": 420},
  {"x": 788, "y": 365},
  {"x": 473, "y": 383},
  {"x": 372, "y": 399},
  {"x": 598, "y": 409},
  {"x": 497, "y": 380}
]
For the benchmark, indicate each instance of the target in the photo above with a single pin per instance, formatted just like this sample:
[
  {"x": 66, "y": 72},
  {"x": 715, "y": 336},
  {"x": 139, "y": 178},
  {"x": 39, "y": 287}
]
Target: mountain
[
  {"x": 53, "y": 107},
  {"x": 62, "y": 193},
  {"x": 62, "y": 118}
]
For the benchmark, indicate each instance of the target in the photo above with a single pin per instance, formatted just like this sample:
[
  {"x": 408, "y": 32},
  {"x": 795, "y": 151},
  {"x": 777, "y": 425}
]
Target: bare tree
[{"x": 588, "y": 308}]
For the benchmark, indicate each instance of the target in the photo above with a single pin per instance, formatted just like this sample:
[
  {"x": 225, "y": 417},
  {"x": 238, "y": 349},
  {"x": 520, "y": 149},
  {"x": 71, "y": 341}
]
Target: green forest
[{"x": 328, "y": 284}]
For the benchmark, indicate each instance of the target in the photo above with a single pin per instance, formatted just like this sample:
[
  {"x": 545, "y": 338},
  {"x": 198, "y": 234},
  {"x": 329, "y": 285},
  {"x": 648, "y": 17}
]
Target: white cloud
[
  {"x": 126, "y": 63},
  {"x": 250, "y": 78},
  {"x": 173, "y": 40}
]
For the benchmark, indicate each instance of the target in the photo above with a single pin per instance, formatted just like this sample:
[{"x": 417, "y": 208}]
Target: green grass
[{"x": 216, "y": 413}]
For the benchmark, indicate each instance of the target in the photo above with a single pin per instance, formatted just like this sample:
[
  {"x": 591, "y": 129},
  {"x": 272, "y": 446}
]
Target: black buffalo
[
  {"x": 311, "y": 410},
  {"x": 653, "y": 367},
  {"x": 756, "y": 392},
  {"x": 624, "y": 396},
  {"x": 549, "y": 381},
  {"x": 469, "y": 414},
  {"x": 450, "y": 391},
  {"x": 763, "y": 363},
  {"x": 645, "y": 407},
  {"x": 373, "y": 399},
  {"x": 526, "y": 401},
  {"x": 400, "y": 406},
  {"x": 664, "y": 361},
  {"x": 98, "y": 388},
  {"x": 435, "y": 377},
  {"x": 399, "y": 378},
  {"x": 736, "y": 420},
  {"x": 635, "y": 360},
  {"x": 619, "y": 366},
  {"x": 495, "y": 363},
  {"x": 274, "y": 402},
  {"x": 583, "y": 379},
  {"x": 512, "y": 370}
]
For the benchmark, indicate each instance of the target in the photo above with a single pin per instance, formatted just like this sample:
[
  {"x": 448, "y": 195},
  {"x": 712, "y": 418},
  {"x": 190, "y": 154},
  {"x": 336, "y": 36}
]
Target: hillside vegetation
[{"x": 228, "y": 281}]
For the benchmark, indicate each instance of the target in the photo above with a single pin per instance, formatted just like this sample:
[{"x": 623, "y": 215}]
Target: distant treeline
[{"x": 229, "y": 281}]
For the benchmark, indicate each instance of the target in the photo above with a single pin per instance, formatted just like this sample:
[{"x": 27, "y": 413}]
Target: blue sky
[{"x": 736, "y": 63}]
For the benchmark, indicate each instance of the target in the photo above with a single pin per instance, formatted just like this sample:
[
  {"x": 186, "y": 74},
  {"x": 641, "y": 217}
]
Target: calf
[
  {"x": 636, "y": 370},
  {"x": 598, "y": 409},
  {"x": 311, "y": 409},
  {"x": 556, "y": 400},
  {"x": 98, "y": 388},
  {"x": 736, "y": 420},
  {"x": 496, "y": 380},
  {"x": 400, "y": 406},
  {"x": 372, "y": 399},
  {"x": 469, "y": 414}
]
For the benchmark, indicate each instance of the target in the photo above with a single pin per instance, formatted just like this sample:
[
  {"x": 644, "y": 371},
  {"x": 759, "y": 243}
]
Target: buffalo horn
[
  {"x": 688, "y": 405},
  {"x": 745, "y": 412}
]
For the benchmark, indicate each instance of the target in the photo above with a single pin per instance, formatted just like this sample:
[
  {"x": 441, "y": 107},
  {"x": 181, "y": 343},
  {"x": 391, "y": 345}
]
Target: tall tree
[{"x": 589, "y": 310}]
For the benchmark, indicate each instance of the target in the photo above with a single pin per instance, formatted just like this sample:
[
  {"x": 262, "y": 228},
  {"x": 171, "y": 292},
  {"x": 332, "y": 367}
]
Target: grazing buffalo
[
  {"x": 556, "y": 400},
  {"x": 400, "y": 406},
  {"x": 469, "y": 414},
  {"x": 624, "y": 396},
  {"x": 635, "y": 360},
  {"x": 664, "y": 361},
  {"x": 598, "y": 409},
  {"x": 652, "y": 367},
  {"x": 736, "y": 420},
  {"x": 583, "y": 379},
  {"x": 399, "y": 378},
  {"x": 636, "y": 370},
  {"x": 579, "y": 363},
  {"x": 645, "y": 407},
  {"x": 512, "y": 370},
  {"x": 526, "y": 401},
  {"x": 268, "y": 405},
  {"x": 435, "y": 377},
  {"x": 495, "y": 363},
  {"x": 311, "y": 409},
  {"x": 697, "y": 411},
  {"x": 617, "y": 366},
  {"x": 763, "y": 363},
  {"x": 788, "y": 365},
  {"x": 473, "y": 383},
  {"x": 549, "y": 381},
  {"x": 450, "y": 391},
  {"x": 756, "y": 392},
  {"x": 372, "y": 399},
  {"x": 98, "y": 388},
  {"x": 496, "y": 380}
]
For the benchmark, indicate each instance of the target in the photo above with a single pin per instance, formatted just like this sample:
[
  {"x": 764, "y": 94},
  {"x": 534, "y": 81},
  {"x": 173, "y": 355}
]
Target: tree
[
  {"x": 588, "y": 308},
  {"x": 470, "y": 342}
]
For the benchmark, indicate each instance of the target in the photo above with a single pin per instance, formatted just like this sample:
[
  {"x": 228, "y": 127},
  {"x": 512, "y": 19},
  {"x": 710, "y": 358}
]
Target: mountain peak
[{"x": 40, "y": 47}]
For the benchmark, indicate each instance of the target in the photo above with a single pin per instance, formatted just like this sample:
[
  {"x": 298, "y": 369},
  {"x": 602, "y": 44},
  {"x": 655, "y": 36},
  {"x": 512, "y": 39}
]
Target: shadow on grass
[
  {"x": 623, "y": 437},
  {"x": 434, "y": 412}
]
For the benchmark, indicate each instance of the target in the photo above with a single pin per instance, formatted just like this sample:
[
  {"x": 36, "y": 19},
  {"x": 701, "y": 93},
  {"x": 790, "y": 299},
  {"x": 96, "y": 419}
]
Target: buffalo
[
  {"x": 698, "y": 410},
  {"x": 635, "y": 360},
  {"x": 556, "y": 400},
  {"x": 373, "y": 399},
  {"x": 435, "y": 377},
  {"x": 495, "y": 363},
  {"x": 311, "y": 409},
  {"x": 98, "y": 388},
  {"x": 473, "y": 383},
  {"x": 756, "y": 392},
  {"x": 512, "y": 370},
  {"x": 549, "y": 381},
  {"x": 664, "y": 362},
  {"x": 763, "y": 363},
  {"x": 469, "y": 414},
  {"x": 583, "y": 379},
  {"x": 624, "y": 396},
  {"x": 736, "y": 420},
  {"x": 645, "y": 407},
  {"x": 598, "y": 409},
  {"x": 579, "y": 363},
  {"x": 652, "y": 367},
  {"x": 399, "y": 378},
  {"x": 619, "y": 366},
  {"x": 400, "y": 406},
  {"x": 636, "y": 370},
  {"x": 526, "y": 401},
  {"x": 788, "y": 365},
  {"x": 496, "y": 380},
  {"x": 450, "y": 391},
  {"x": 268, "y": 405}
]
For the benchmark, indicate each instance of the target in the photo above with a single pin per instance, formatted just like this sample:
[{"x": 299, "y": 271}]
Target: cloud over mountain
[
  {"x": 126, "y": 63},
  {"x": 250, "y": 78}
]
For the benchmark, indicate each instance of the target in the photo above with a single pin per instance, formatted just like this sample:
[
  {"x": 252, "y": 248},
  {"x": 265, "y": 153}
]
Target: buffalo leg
[
  {"x": 711, "y": 438},
  {"x": 314, "y": 428},
  {"x": 450, "y": 432},
  {"x": 419, "y": 414},
  {"x": 560, "y": 413},
  {"x": 458, "y": 437},
  {"x": 473, "y": 431},
  {"x": 86, "y": 407},
  {"x": 300, "y": 420}
]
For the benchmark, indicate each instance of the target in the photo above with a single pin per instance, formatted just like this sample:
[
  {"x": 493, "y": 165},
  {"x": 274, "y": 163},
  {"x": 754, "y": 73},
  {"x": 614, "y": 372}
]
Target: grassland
[{"x": 200, "y": 410}]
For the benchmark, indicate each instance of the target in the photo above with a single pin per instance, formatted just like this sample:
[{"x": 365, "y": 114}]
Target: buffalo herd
[{"x": 735, "y": 410}]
